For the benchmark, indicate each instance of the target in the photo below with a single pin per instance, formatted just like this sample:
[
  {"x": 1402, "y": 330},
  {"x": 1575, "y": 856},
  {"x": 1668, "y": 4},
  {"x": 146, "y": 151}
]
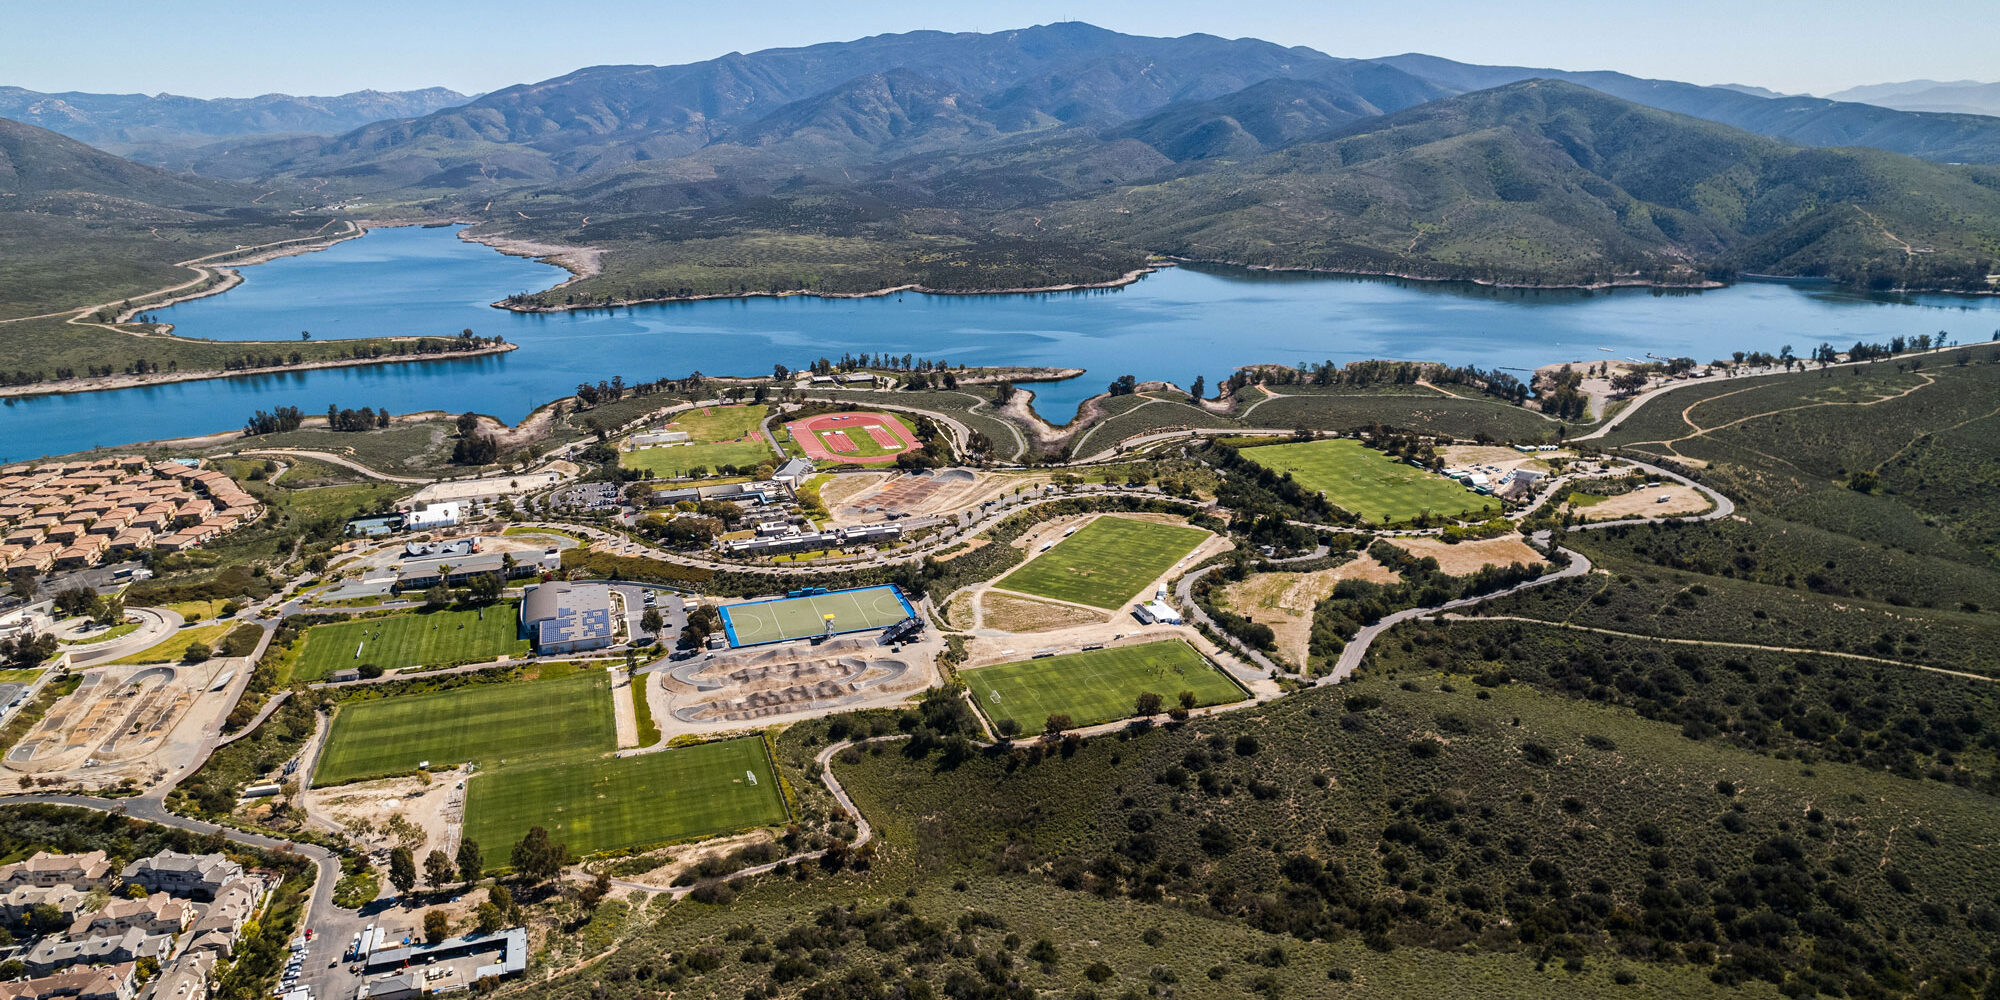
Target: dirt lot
[
  {"x": 842, "y": 488},
  {"x": 1285, "y": 601},
  {"x": 1020, "y": 614},
  {"x": 1646, "y": 503},
  {"x": 1505, "y": 459},
  {"x": 435, "y": 806},
  {"x": 1469, "y": 557}
]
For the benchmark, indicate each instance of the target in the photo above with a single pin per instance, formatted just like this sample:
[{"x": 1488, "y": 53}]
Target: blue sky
[{"x": 333, "y": 47}]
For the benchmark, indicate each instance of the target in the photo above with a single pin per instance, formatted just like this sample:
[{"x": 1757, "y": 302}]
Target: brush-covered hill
[
  {"x": 1808, "y": 121},
  {"x": 80, "y": 226},
  {"x": 1546, "y": 180}
]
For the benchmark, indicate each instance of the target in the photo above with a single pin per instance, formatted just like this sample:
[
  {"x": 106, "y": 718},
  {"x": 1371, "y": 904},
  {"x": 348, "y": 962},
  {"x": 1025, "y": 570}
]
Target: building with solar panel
[{"x": 567, "y": 617}]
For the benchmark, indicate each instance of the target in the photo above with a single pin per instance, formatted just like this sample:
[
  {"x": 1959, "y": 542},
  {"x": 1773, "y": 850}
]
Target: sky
[{"x": 240, "y": 50}]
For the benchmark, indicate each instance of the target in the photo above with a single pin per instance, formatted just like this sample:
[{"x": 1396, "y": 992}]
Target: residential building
[
  {"x": 67, "y": 900},
  {"x": 199, "y": 876},
  {"x": 158, "y": 913},
  {"x": 112, "y": 982},
  {"x": 52, "y": 954},
  {"x": 91, "y": 870}
]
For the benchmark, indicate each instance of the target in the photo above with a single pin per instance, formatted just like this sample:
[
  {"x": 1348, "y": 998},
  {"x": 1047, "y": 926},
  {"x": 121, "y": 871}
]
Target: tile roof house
[
  {"x": 201, "y": 876},
  {"x": 51, "y": 953},
  {"x": 44, "y": 869},
  {"x": 158, "y": 913},
  {"x": 107, "y": 983}
]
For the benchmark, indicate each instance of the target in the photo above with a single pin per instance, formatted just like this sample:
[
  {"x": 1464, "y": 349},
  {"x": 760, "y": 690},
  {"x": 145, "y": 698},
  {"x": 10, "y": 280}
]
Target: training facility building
[
  {"x": 437, "y": 515},
  {"x": 567, "y": 617}
]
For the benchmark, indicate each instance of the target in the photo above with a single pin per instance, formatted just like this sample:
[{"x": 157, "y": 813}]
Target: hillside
[
  {"x": 1808, "y": 121},
  {"x": 1544, "y": 180},
  {"x": 80, "y": 226},
  {"x": 123, "y": 123},
  {"x": 1969, "y": 97}
]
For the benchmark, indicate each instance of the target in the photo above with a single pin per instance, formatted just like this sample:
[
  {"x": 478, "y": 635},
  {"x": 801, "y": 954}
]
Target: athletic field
[
  {"x": 1097, "y": 686},
  {"x": 1107, "y": 563},
  {"x": 487, "y": 723},
  {"x": 1368, "y": 483},
  {"x": 799, "y": 617},
  {"x": 431, "y": 638},
  {"x": 717, "y": 436},
  {"x": 600, "y": 804}
]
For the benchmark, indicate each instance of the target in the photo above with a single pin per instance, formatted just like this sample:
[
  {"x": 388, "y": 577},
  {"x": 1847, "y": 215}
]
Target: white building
[
  {"x": 1159, "y": 612},
  {"x": 437, "y": 515}
]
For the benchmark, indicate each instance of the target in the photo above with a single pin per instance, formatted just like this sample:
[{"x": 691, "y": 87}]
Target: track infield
[
  {"x": 855, "y": 438},
  {"x": 429, "y": 639},
  {"x": 487, "y": 723},
  {"x": 1099, "y": 685},
  {"x": 1367, "y": 483},
  {"x": 857, "y": 610},
  {"x": 1107, "y": 563},
  {"x": 606, "y": 803}
]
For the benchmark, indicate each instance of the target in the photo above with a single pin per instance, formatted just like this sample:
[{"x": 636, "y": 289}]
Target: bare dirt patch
[
  {"x": 1466, "y": 558},
  {"x": 1285, "y": 601},
  {"x": 1501, "y": 458},
  {"x": 434, "y": 805},
  {"x": 1020, "y": 614},
  {"x": 838, "y": 490},
  {"x": 1647, "y": 503}
]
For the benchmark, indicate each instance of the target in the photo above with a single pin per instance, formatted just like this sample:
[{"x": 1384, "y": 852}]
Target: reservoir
[{"x": 1174, "y": 324}]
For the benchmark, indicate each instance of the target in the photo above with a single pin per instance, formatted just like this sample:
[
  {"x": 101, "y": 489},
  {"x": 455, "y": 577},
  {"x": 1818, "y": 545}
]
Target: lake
[{"x": 1174, "y": 324}]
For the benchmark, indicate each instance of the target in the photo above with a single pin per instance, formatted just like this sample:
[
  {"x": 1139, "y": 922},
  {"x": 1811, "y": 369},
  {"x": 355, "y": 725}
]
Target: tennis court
[{"x": 776, "y": 620}]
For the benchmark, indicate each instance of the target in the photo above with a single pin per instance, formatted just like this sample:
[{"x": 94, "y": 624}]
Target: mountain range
[
  {"x": 1066, "y": 153},
  {"x": 1959, "y": 97}
]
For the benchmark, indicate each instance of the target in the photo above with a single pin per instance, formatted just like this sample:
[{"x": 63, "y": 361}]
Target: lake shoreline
[
  {"x": 1121, "y": 281},
  {"x": 113, "y": 383}
]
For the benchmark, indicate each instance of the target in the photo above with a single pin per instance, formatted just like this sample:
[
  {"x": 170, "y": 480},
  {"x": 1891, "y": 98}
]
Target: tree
[
  {"x": 489, "y": 918},
  {"x": 439, "y": 595},
  {"x": 471, "y": 863},
  {"x": 502, "y": 898},
  {"x": 1058, "y": 721},
  {"x": 402, "y": 870},
  {"x": 438, "y": 868},
  {"x": 650, "y": 621},
  {"x": 197, "y": 652},
  {"x": 437, "y": 924},
  {"x": 537, "y": 858},
  {"x": 1195, "y": 391}
]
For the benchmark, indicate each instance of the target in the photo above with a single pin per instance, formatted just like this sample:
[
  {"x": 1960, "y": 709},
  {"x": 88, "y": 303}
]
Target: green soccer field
[
  {"x": 1097, "y": 686},
  {"x": 1367, "y": 483},
  {"x": 717, "y": 436},
  {"x": 428, "y": 639},
  {"x": 606, "y": 803},
  {"x": 799, "y": 617},
  {"x": 1107, "y": 563},
  {"x": 488, "y": 723}
]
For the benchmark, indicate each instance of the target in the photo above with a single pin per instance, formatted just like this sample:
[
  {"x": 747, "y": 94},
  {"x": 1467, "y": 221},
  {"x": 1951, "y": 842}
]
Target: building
[
  {"x": 1158, "y": 612},
  {"x": 511, "y": 944},
  {"x": 430, "y": 516},
  {"x": 648, "y": 439},
  {"x": 452, "y": 569},
  {"x": 158, "y": 913},
  {"x": 860, "y": 534},
  {"x": 567, "y": 617},
  {"x": 186, "y": 979},
  {"x": 200, "y": 876},
  {"x": 67, "y": 900},
  {"x": 793, "y": 474},
  {"x": 91, "y": 870},
  {"x": 107, "y": 983},
  {"x": 52, "y": 953}
]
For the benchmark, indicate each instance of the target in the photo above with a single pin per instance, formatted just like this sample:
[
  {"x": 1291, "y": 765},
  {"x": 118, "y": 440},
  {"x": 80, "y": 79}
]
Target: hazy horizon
[{"x": 1787, "y": 46}]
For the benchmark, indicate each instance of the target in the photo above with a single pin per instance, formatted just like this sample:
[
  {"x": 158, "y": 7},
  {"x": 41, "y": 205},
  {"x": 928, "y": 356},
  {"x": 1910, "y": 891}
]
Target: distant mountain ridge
[{"x": 1961, "y": 96}]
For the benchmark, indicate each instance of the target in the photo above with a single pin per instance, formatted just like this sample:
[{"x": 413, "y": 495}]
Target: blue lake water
[{"x": 1175, "y": 324}]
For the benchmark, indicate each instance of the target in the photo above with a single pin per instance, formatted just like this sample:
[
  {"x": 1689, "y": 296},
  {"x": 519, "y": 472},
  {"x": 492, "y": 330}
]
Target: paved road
[
  {"x": 1185, "y": 592},
  {"x": 156, "y": 625},
  {"x": 332, "y": 459}
]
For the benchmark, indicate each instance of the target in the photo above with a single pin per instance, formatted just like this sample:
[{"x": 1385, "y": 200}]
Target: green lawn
[
  {"x": 1107, "y": 563},
  {"x": 673, "y": 462},
  {"x": 489, "y": 724},
  {"x": 717, "y": 436},
  {"x": 1097, "y": 686},
  {"x": 177, "y": 644},
  {"x": 433, "y": 638},
  {"x": 1367, "y": 483},
  {"x": 606, "y": 803}
]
